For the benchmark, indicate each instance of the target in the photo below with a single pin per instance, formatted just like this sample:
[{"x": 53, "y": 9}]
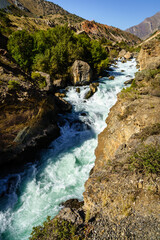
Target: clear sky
[{"x": 117, "y": 13}]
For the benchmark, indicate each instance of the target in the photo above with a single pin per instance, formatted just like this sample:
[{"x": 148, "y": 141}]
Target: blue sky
[{"x": 117, "y": 13}]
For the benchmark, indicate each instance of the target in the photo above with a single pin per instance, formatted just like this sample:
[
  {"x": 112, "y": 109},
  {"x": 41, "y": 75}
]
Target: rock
[
  {"x": 93, "y": 89},
  {"x": 111, "y": 78},
  {"x": 73, "y": 203},
  {"x": 78, "y": 90},
  {"x": 60, "y": 83},
  {"x": 122, "y": 53},
  {"x": 128, "y": 81},
  {"x": 61, "y": 95},
  {"x": 49, "y": 85},
  {"x": 128, "y": 55},
  {"x": 149, "y": 54},
  {"x": 88, "y": 94},
  {"x": 76, "y": 216},
  {"x": 81, "y": 73},
  {"x": 124, "y": 61},
  {"x": 122, "y": 71}
]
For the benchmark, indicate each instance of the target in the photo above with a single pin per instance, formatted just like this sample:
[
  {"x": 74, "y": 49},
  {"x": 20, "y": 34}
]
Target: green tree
[{"x": 20, "y": 45}]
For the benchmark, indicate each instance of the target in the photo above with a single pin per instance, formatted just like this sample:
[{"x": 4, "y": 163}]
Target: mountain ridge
[{"x": 147, "y": 27}]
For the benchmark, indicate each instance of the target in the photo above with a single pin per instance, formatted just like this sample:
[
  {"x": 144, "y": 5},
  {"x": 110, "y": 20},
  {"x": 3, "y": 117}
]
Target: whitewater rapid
[{"x": 30, "y": 195}]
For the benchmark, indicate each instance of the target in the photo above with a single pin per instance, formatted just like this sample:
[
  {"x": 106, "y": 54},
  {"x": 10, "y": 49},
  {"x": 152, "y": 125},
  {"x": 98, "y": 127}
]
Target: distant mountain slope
[
  {"x": 43, "y": 14},
  {"x": 96, "y": 31},
  {"x": 147, "y": 27},
  {"x": 39, "y": 7}
]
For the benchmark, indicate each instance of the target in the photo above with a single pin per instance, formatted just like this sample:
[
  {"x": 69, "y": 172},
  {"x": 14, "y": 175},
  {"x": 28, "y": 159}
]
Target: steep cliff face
[
  {"x": 28, "y": 114},
  {"x": 150, "y": 53},
  {"x": 147, "y": 27},
  {"x": 123, "y": 189}
]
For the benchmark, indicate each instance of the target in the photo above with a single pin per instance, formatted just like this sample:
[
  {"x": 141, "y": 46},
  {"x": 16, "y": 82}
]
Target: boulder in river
[
  {"x": 81, "y": 73},
  {"x": 93, "y": 89},
  {"x": 122, "y": 53},
  {"x": 111, "y": 78},
  {"x": 128, "y": 55}
]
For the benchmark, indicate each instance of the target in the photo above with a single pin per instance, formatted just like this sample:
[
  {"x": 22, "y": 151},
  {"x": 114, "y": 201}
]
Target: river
[{"x": 30, "y": 195}]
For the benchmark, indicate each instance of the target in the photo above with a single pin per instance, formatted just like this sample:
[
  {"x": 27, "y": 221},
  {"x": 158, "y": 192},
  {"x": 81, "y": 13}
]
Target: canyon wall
[{"x": 122, "y": 192}]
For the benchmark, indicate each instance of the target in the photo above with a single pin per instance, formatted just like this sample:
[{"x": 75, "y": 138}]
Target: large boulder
[
  {"x": 81, "y": 73},
  {"x": 128, "y": 55},
  {"x": 122, "y": 53}
]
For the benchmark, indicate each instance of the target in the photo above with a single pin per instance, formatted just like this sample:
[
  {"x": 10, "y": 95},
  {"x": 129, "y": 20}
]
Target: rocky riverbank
[{"x": 121, "y": 198}]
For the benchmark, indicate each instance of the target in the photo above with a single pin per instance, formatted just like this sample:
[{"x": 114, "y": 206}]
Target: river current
[{"x": 30, "y": 195}]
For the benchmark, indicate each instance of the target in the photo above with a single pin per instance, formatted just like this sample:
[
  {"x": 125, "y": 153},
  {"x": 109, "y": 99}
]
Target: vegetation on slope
[{"x": 54, "y": 51}]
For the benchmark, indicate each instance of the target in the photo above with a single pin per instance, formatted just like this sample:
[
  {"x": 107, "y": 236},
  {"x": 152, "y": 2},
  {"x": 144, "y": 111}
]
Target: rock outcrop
[
  {"x": 96, "y": 31},
  {"x": 122, "y": 194},
  {"x": 81, "y": 73},
  {"x": 28, "y": 115},
  {"x": 149, "y": 56}
]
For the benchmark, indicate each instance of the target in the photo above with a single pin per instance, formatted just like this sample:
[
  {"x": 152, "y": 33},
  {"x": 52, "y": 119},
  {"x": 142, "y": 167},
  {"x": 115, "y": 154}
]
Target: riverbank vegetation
[{"x": 54, "y": 51}]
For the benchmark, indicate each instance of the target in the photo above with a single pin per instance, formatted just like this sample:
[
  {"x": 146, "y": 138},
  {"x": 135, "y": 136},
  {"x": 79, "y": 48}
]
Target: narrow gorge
[
  {"x": 79, "y": 125},
  {"x": 33, "y": 194}
]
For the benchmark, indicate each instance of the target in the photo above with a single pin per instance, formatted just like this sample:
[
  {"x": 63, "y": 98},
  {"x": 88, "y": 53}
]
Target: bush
[
  {"x": 146, "y": 160},
  {"x": 102, "y": 65},
  {"x": 55, "y": 229},
  {"x": 13, "y": 85}
]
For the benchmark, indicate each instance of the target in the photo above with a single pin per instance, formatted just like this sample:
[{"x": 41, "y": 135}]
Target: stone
[
  {"x": 128, "y": 82},
  {"x": 59, "y": 83},
  {"x": 49, "y": 85},
  {"x": 128, "y": 55},
  {"x": 122, "y": 53},
  {"x": 111, "y": 78},
  {"x": 81, "y": 73},
  {"x": 78, "y": 90},
  {"x": 93, "y": 89},
  {"x": 61, "y": 95}
]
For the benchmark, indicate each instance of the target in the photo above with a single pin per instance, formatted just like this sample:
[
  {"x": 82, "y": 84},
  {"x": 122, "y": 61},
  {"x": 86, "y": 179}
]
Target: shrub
[
  {"x": 146, "y": 160},
  {"x": 13, "y": 85},
  {"x": 102, "y": 65},
  {"x": 55, "y": 229}
]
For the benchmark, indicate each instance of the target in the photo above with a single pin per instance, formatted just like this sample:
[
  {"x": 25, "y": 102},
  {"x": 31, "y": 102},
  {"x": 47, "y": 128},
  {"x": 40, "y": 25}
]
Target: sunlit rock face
[{"x": 81, "y": 73}]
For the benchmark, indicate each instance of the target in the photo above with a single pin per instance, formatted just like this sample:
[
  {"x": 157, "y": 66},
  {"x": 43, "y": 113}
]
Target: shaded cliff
[
  {"x": 147, "y": 27},
  {"x": 28, "y": 118}
]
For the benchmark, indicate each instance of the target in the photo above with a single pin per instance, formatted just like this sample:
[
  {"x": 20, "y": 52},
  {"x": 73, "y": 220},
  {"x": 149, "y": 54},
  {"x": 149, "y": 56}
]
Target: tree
[{"x": 20, "y": 45}]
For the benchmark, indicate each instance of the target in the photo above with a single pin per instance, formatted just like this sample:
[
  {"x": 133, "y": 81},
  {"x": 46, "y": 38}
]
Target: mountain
[
  {"x": 98, "y": 31},
  {"x": 36, "y": 7},
  {"x": 147, "y": 27}
]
